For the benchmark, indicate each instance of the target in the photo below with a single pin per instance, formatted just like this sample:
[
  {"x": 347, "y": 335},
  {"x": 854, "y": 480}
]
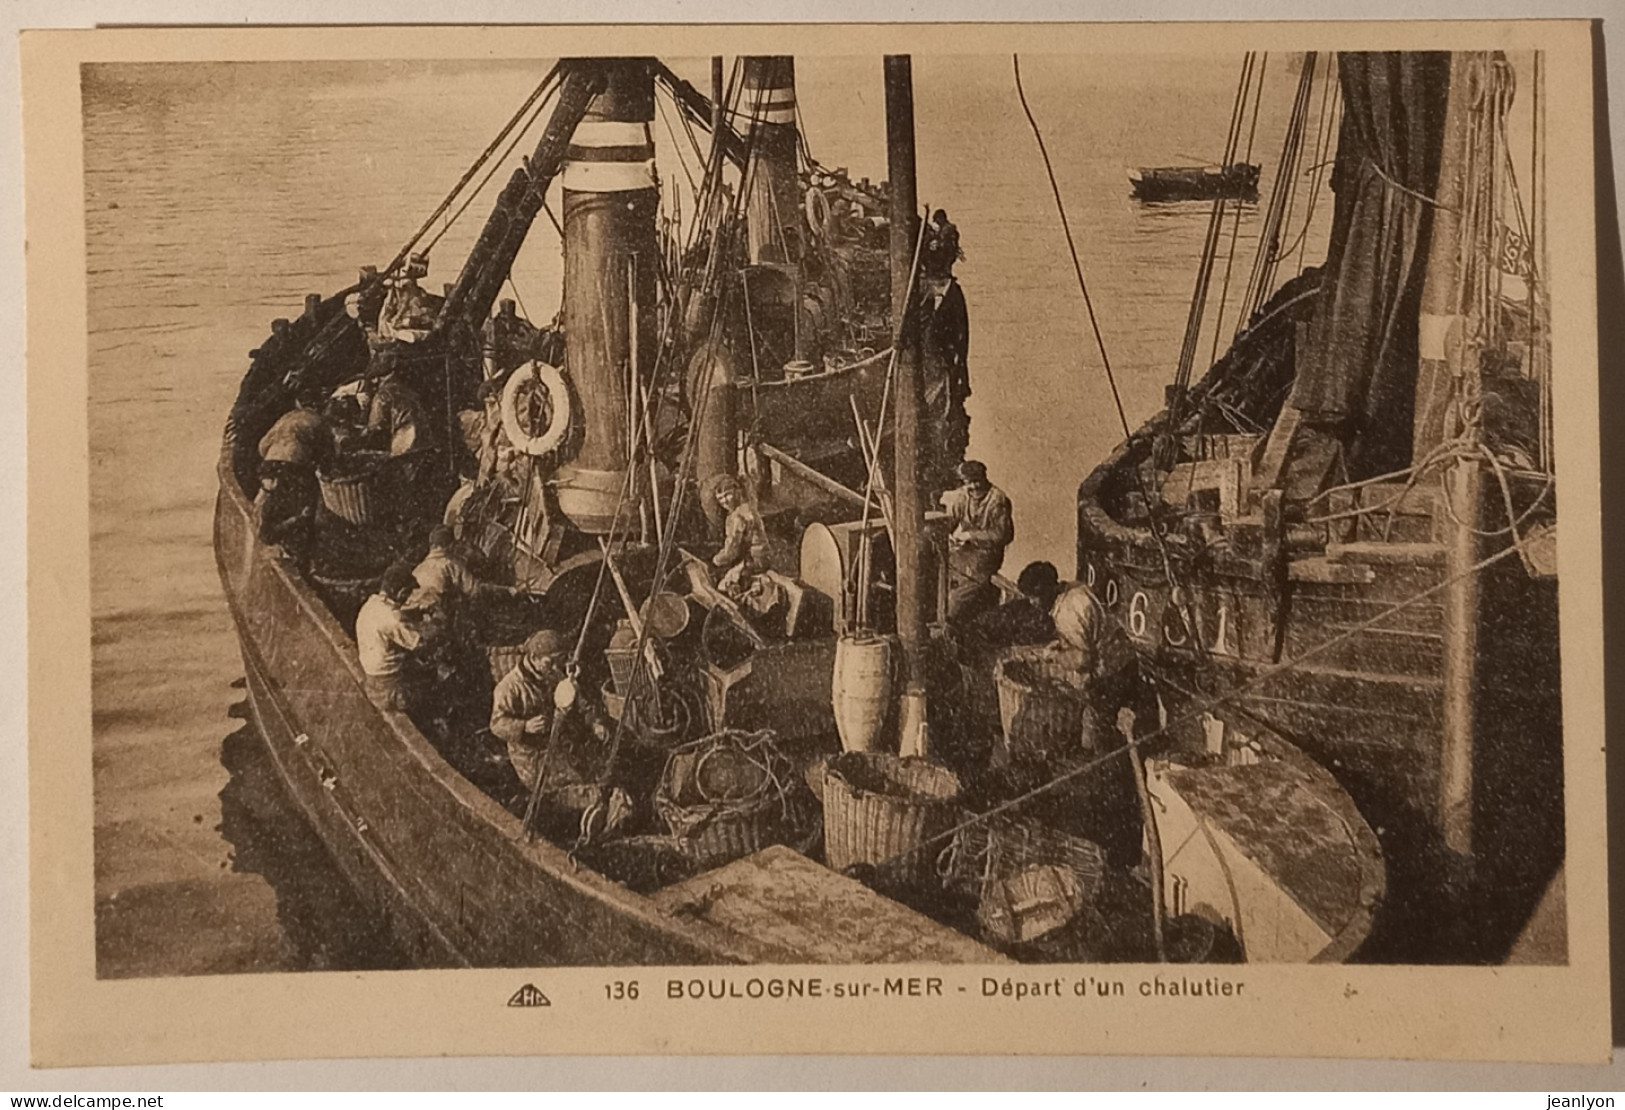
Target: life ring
[
  {"x": 550, "y": 378},
  {"x": 817, "y": 207}
]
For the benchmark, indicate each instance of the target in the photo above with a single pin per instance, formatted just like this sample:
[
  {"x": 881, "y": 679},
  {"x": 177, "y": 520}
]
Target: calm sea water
[{"x": 218, "y": 195}]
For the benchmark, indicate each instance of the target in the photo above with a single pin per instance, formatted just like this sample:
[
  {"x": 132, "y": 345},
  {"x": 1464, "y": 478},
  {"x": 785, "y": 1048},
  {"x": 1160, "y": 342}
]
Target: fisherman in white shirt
[{"x": 386, "y": 636}]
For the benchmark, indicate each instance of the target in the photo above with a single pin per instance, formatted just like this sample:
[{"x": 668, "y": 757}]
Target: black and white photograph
[{"x": 1070, "y": 519}]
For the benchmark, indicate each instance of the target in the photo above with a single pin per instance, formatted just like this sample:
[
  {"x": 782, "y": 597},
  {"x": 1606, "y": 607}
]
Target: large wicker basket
[
  {"x": 359, "y": 491},
  {"x": 881, "y": 810},
  {"x": 727, "y": 795},
  {"x": 503, "y": 658},
  {"x": 1036, "y": 881},
  {"x": 343, "y": 596},
  {"x": 1044, "y": 705}
]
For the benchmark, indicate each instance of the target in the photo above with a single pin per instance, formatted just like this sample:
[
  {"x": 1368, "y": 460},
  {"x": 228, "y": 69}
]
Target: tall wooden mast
[{"x": 905, "y": 222}]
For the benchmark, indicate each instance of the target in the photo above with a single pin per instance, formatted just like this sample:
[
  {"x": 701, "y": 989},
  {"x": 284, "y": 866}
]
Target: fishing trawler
[
  {"x": 763, "y": 793},
  {"x": 580, "y": 466},
  {"x": 1342, "y": 538}
]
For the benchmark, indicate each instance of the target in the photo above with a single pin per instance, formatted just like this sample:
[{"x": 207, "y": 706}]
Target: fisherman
[
  {"x": 947, "y": 347},
  {"x": 290, "y": 453},
  {"x": 743, "y": 556},
  {"x": 300, "y": 437},
  {"x": 366, "y": 304},
  {"x": 394, "y": 413},
  {"x": 506, "y": 340},
  {"x": 982, "y": 527},
  {"x": 941, "y": 249},
  {"x": 492, "y": 446},
  {"x": 1025, "y": 618},
  {"x": 386, "y": 638},
  {"x": 525, "y": 704},
  {"x": 445, "y": 585},
  {"x": 408, "y": 313},
  {"x": 1092, "y": 642}
]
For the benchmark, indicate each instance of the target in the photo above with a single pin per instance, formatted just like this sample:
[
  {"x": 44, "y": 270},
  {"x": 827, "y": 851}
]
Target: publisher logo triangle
[{"x": 529, "y": 995}]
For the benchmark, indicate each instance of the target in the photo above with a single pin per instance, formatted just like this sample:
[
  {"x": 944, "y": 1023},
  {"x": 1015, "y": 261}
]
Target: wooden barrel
[{"x": 861, "y": 689}]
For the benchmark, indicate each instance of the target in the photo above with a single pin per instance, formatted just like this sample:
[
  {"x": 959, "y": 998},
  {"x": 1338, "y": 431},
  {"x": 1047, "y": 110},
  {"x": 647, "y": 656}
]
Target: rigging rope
[
  {"x": 1235, "y": 227},
  {"x": 1094, "y": 323},
  {"x": 677, "y": 147},
  {"x": 543, "y": 89},
  {"x": 1077, "y": 266},
  {"x": 1210, "y": 246},
  {"x": 1326, "y": 123},
  {"x": 1195, "y": 713},
  {"x": 486, "y": 180}
]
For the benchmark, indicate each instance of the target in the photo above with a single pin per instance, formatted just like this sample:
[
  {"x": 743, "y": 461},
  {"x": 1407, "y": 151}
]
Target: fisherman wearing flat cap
[
  {"x": 979, "y": 516},
  {"x": 527, "y": 700}
]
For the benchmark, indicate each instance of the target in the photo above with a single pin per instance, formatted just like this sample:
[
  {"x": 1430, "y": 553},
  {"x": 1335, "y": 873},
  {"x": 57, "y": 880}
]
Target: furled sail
[{"x": 1356, "y": 377}]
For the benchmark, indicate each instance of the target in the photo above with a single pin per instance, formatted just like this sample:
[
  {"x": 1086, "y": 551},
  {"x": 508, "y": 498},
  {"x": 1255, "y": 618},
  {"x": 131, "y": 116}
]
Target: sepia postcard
[{"x": 841, "y": 539}]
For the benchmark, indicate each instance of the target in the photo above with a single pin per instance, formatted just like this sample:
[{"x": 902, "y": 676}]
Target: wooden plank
[
  {"x": 1367, "y": 551},
  {"x": 1321, "y": 569},
  {"x": 792, "y": 910}
]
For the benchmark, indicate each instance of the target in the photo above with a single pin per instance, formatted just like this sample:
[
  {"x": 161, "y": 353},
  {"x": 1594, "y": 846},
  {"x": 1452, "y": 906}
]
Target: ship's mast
[
  {"x": 906, "y": 429},
  {"x": 610, "y": 204}
]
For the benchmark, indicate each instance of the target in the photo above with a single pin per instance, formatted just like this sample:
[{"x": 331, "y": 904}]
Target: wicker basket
[
  {"x": 359, "y": 493},
  {"x": 343, "y": 596},
  {"x": 727, "y": 795},
  {"x": 504, "y": 658},
  {"x": 880, "y": 809},
  {"x": 1036, "y": 881},
  {"x": 1044, "y": 704}
]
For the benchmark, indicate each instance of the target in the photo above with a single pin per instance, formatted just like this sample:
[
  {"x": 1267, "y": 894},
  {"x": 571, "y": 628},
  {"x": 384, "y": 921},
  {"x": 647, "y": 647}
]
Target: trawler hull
[
  {"x": 1339, "y": 648},
  {"x": 444, "y": 864}
]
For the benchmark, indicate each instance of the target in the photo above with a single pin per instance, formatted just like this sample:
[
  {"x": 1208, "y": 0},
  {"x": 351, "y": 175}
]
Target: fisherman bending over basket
[
  {"x": 523, "y": 708},
  {"x": 1091, "y": 641},
  {"x": 394, "y": 415},
  {"x": 386, "y": 638},
  {"x": 1094, "y": 645},
  {"x": 290, "y": 453}
]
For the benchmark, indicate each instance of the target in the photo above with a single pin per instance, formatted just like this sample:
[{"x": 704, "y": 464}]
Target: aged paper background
[{"x": 1389, "y": 1011}]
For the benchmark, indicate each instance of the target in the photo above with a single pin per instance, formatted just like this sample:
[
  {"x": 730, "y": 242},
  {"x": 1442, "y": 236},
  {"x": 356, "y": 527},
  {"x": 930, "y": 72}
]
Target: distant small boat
[{"x": 1236, "y": 181}]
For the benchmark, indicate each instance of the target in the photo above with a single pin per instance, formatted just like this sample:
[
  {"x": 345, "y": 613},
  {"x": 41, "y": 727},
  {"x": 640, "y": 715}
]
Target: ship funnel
[
  {"x": 610, "y": 256},
  {"x": 774, "y": 204}
]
